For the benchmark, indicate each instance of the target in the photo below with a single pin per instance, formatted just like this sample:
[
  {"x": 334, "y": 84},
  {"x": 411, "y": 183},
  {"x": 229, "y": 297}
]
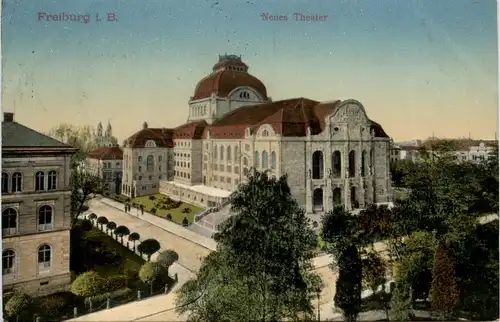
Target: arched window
[
  {"x": 273, "y": 160},
  {"x": 215, "y": 153},
  {"x": 352, "y": 164},
  {"x": 44, "y": 258},
  {"x": 150, "y": 163},
  {"x": 52, "y": 182},
  {"x": 265, "y": 161},
  {"x": 236, "y": 156},
  {"x": 256, "y": 159},
  {"x": 228, "y": 153},
  {"x": 336, "y": 164},
  {"x": 9, "y": 221},
  {"x": 39, "y": 181},
  {"x": 245, "y": 162},
  {"x": 5, "y": 182},
  {"x": 265, "y": 133},
  {"x": 222, "y": 153},
  {"x": 8, "y": 261},
  {"x": 317, "y": 171},
  {"x": 363, "y": 163},
  {"x": 139, "y": 159},
  {"x": 45, "y": 218}
]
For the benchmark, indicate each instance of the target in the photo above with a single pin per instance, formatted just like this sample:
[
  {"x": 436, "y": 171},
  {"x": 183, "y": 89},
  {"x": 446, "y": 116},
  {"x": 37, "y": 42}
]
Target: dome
[{"x": 228, "y": 73}]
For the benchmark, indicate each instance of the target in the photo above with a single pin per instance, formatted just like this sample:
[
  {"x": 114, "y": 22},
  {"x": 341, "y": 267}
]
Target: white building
[
  {"x": 107, "y": 164},
  {"x": 332, "y": 152}
]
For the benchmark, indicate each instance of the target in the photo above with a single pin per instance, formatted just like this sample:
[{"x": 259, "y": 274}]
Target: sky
[{"x": 419, "y": 67}]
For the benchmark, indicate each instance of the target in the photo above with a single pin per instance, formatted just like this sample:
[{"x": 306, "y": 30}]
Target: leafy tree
[
  {"x": 149, "y": 247},
  {"x": 374, "y": 271},
  {"x": 167, "y": 258},
  {"x": 88, "y": 284},
  {"x": 444, "y": 291},
  {"x": 111, "y": 226},
  {"x": 18, "y": 305},
  {"x": 154, "y": 274},
  {"x": 133, "y": 237},
  {"x": 121, "y": 231},
  {"x": 81, "y": 137},
  {"x": 102, "y": 221},
  {"x": 86, "y": 225},
  {"x": 401, "y": 302},
  {"x": 84, "y": 187},
  {"x": 263, "y": 259},
  {"x": 348, "y": 285},
  {"x": 92, "y": 217}
]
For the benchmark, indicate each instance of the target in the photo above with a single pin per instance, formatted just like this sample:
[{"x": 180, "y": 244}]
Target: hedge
[
  {"x": 18, "y": 304},
  {"x": 88, "y": 284},
  {"x": 109, "y": 295},
  {"x": 116, "y": 282}
]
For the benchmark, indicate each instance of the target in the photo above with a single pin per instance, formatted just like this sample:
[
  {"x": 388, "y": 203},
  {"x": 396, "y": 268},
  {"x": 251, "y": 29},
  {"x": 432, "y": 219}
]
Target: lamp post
[{"x": 318, "y": 293}]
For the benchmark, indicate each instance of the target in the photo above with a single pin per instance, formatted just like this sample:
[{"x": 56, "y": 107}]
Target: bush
[
  {"x": 154, "y": 274},
  {"x": 153, "y": 210},
  {"x": 163, "y": 207},
  {"x": 102, "y": 220},
  {"x": 133, "y": 237},
  {"x": 7, "y": 296},
  {"x": 128, "y": 200},
  {"x": 122, "y": 231},
  {"x": 185, "y": 222},
  {"x": 86, "y": 225},
  {"x": 116, "y": 282},
  {"x": 18, "y": 304},
  {"x": 111, "y": 225},
  {"x": 92, "y": 217},
  {"x": 149, "y": 247},
  {"x": 169, "y": 217},
  {"x": 88, "y": 284},
  {"x": 167, "y": 258},
  {"x": 85, "y": 208},
  {"x": 186, "y": 210},
  {"x": 110, "y": 295},
  {"x": 55, "y": 305},
  {"x": 152, "y": 197},
  {"x": 445, "y": 294}
]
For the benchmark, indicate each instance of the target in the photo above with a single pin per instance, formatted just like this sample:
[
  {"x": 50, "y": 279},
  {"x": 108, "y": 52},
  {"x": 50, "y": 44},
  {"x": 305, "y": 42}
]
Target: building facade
[
  {"x": 331, "y": 151},
  {"x": 107, "y": 164},
  {"x": 105, "y": 139},
  {"x": 36, "y": 201}
]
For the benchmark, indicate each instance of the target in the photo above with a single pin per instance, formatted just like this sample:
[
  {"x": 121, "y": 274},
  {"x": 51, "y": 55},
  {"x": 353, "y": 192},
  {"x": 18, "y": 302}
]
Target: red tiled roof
[
  {"x": 289, "y": 117},
  {"x": 192, "y": 130},
  {"x": 107, "y": 153},
  {"x": 161, "y": 136},
  {"x": 223, "y": 82}
]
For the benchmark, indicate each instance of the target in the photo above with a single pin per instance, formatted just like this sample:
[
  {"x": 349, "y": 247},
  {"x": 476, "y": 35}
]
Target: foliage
[
  {"x": 155, "y": 274},
  {"x": 340, "y": 231},
  {"x": 92, "y": 217},
  {"x": 88, "y": 284},
  {"x": 152, "y": 197},
  {"x": 110, "y": 295},
  {"x": 55, "y": 305},
  {"x": 169, "y": 217},
  {"x": 348, "y": 285},
  {"x": 111, "y": 226},
  {"x": 399, "y": 170},
  {"x": 82, "y": 138},
  {"x": 84, "y": 186},
  {"x": 149, "y": 247},
  {"x": 167, "y": 258},
  {"x": 374, "y": 271},
  {"x": 121, "y": 231},
  {"x": 186, "y": 210},
  {"x": 133, "y": 237},
  {"x": 153, "y": 210},
  {"x": 116, "y": 282},
  {"x": 263, "y": 259},
  {"x": 401, "y": 302},
  {"x": 185, "y": 222},
  {"x": 18, "y": 304},
  {"x": 86, "y": 225},
  {"x": 444, "y": 290},
  {"x": 102, "y": 220}
]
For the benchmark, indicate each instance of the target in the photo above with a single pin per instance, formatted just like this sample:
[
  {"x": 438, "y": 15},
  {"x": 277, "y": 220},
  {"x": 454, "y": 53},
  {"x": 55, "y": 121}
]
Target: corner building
[{"x": 331, "y": 151}]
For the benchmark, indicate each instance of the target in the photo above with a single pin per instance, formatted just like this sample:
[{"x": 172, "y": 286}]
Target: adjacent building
[
  {"x": 332, "y": 152},
  {"x": 105, "y": 139},
  {"x": 36, "y": 220},
  {"x": 107, "y": 164}
]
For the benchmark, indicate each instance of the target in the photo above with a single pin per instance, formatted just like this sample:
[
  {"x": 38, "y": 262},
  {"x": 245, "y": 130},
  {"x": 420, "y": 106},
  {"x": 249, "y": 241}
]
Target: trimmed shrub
[
  {"x": 92, "y": 217},
  {"x": 86, "y": 225},
  {"x": 169, "y": 217},
  {"x": 88, "y": 284},
  {"x": 102, "y": 221},
  {"x": 55, "y": 305},
  {"x": 116, "y": 282},
  {"x": 167, "y": 258},
  {"x": 149, "y": 247},
  {"x": 186, "y": 210},
  {"x": 121, "y": 231},
  {"x": 152, "y": 197},
  {"x": 18, "y": 304},
  {"x": 153, "y": 210},
  {"x": 185, "y": 222},
  {"x": 128, "y": 200},
  {"x": 111, "y": 226},
  {"x": 154, "y": 274},
  {"x": 133, "y": 237},
  {"x": 110, "y": 295}
]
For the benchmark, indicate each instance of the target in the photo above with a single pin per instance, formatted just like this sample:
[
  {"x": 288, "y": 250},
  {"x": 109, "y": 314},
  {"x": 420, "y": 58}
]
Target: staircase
[{"x": 207, "y": 223}]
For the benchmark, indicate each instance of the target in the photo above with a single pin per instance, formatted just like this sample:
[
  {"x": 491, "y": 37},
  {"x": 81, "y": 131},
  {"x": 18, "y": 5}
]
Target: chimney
[{"x": 8, "y": 117}]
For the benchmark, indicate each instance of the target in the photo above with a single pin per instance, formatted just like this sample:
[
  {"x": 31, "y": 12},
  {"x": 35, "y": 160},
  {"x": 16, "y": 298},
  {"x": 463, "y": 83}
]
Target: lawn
[
  {"x": 176, "y": 213},
  {"x": 130, "y": 262}
]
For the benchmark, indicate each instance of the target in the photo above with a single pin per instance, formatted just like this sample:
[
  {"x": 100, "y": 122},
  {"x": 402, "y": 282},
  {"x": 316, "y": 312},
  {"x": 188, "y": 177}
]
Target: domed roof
[{"x": 228, "y": 73}]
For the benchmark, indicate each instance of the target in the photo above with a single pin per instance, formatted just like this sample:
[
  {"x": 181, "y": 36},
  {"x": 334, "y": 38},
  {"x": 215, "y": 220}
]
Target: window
[
  {"x": 159, "y": 158},
  {"x": 139, "y": 159},
  {"x": 222, "y": 153},
  {"x": 245, "y": 162},
  {"x": 256, "y": 159},
  {"x": 244, "y": 95},
  {"x": 52, "y": 183},
  {"x": 150, "y": 177},
  {"x": 45, "y": 218},
  {"x": 44, "y": 258},
  {"x": 5, "y": 182},
  {"x": 228, "y": 153},
  {"x": 17, "y": 182},
  {"x": 236, "y": 156},
  {"x": 265, "y": 133},
  {"x": 140, "y": 169},
  {"x": 39, "y": 181},
  {"x": 9, "y": 221},
  {"x": 215, "y": 152},
  {"x": 150, "y": 163},
  {"x": 159, "y": 168},
  {"x": 265, "y": 162},
  {"x": 273, "y": 160},
  {"x": 8, "y": 261}
]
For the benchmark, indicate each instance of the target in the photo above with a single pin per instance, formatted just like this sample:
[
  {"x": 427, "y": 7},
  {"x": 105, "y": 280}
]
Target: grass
[
  {"x": 131, "y": 261},
  {"x": 177, "y": 215}
]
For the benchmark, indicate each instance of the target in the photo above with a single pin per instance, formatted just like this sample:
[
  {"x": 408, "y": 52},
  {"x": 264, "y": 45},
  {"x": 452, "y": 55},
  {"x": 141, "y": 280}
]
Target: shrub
[
  {"x": 109, "y": 295},
  {"x": 186, "y": 210},
  {"x": 111, "y": 226},
  {"x": 154, "y": 274},
  {"x": 149, "y": 247},
  {"x": 88, "y": 284},
  {"x": 128, "y": 200},
  {"x": 167, "y": 258},
  {"x": 85, "y": 208},
  {"x": 102, "y": 221},
  {"x": 163, "y": 207},
  {"x": 18, "y": 304},
  {"x": 92, "y": 217},
  {"x": 121, "y": 231},
  {"x": 116, "y": 282},
  {"x": 133, "y": 237},
  {"x": 169, "y": 217},
  {"x": 53, "y": 306},
  {"x": 152, "y": 197},
  {"x": 153, "y": 210},
  {"x": 185, "y": 222},
  {"x": 7, "y": 296},
  {"x": 86, "y": 225},
  {"x": 445, "y": 295}
]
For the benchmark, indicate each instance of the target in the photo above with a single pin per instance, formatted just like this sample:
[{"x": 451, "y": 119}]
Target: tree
[
  {"x": 121, "y": 231},
  {"x": 18, "y": 305},
  {"x": 167, "y": 258},
  {"x": 149, "y": 247},
  {"x": 444, "y": 290},
  {"x": 374, "y": 271},
  {"x": 102, "y": 221},
  {"x": 154, "y": 274},
  {"x": 169, "y": 217},
  {"x": 133, "y": 237},
  {"x": 263, "y": 259},
  {"x": 185, "y": 222},
  {"x": 88, "y": 284},
  {"x": 84, "y": 187},
  {"x": 81, "y": 137},
  {"x": 111, "y": 226},
  {"x": 86, "y": 225},
  {"x": 92, "y": 217}
]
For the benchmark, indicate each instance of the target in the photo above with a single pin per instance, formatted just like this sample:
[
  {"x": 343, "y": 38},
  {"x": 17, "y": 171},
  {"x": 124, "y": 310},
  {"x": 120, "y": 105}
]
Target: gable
[{"x": 349, "y": 111}]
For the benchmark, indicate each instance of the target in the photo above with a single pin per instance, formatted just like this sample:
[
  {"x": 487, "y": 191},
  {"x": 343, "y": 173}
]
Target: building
[
  {"x": 36, "y": 201},
  {"x": 475, "y": 150},
  {"x": 107, "y": 139},
  {"x": 332, "y": 152},
  {"x": 107, "y": 164}
]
